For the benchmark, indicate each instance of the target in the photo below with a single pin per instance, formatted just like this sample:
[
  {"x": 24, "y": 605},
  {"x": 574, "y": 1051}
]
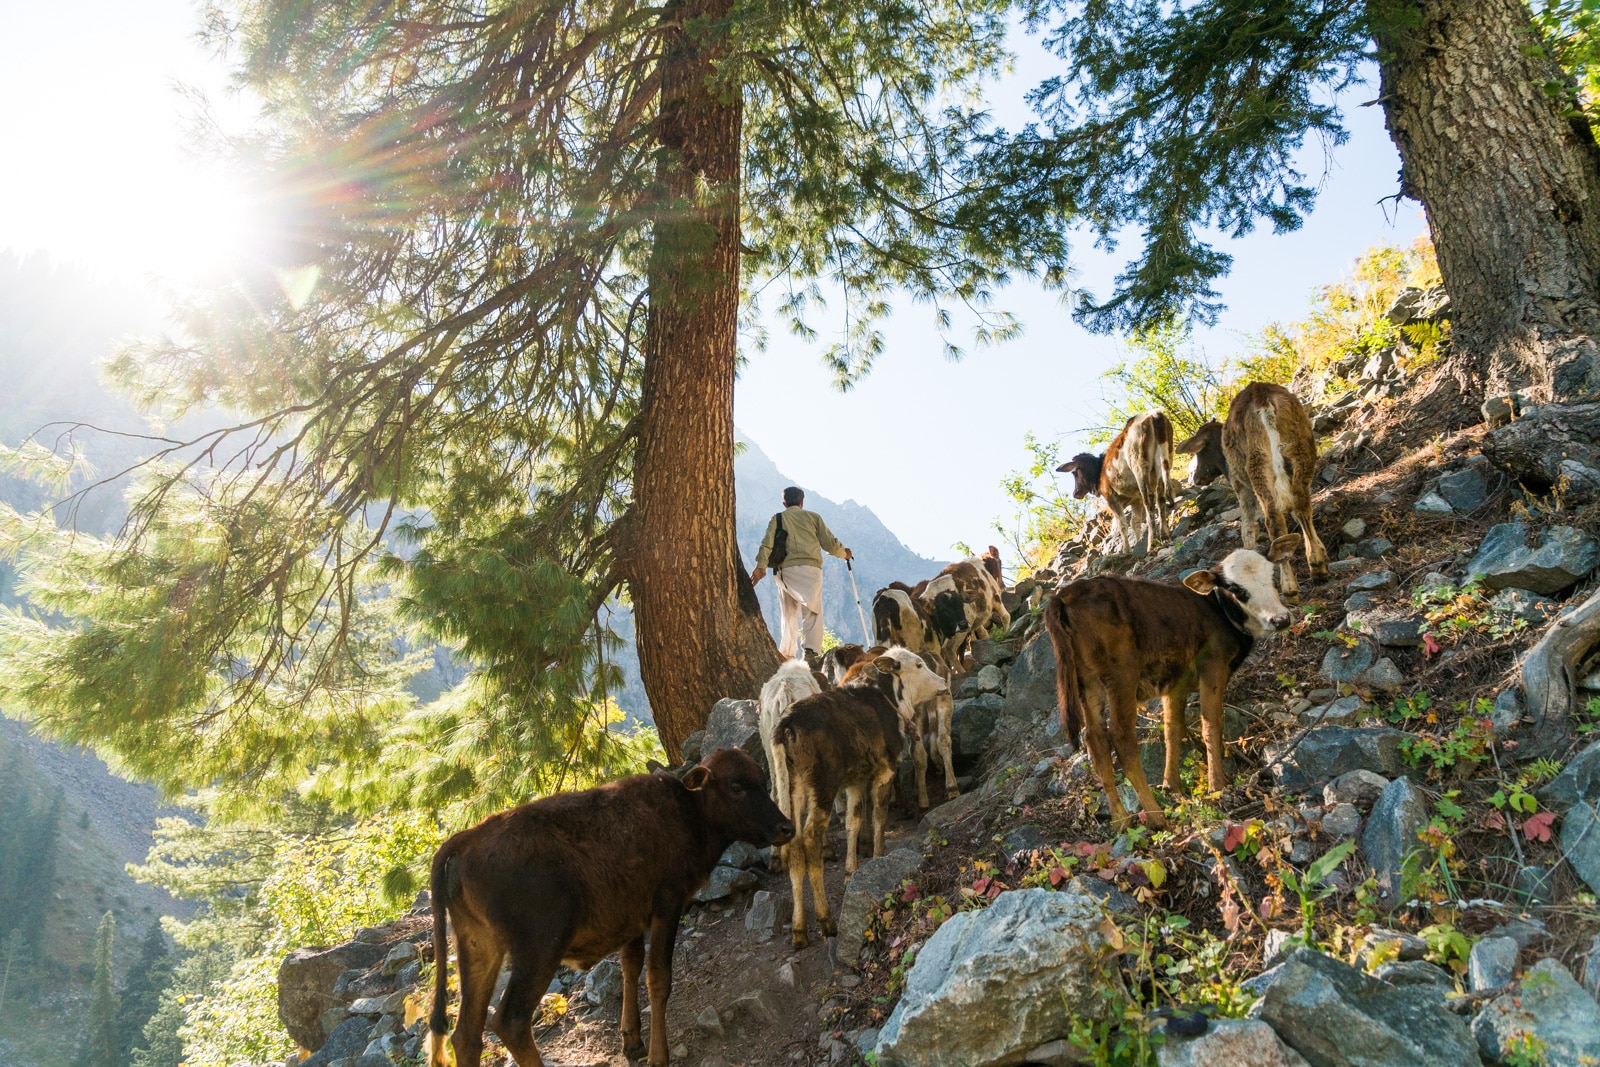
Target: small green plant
[
  {"x": 1525, "y": 1049},
  {"x": 1589, "y": 716},
  {"x": 1312, "y": 886},
  {"x": 1447, "y": 946},
  {"x": 1466, "y": 746}
]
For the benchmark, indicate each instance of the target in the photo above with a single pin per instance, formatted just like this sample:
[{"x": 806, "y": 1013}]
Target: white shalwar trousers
[{"x": 800, "y": 608}]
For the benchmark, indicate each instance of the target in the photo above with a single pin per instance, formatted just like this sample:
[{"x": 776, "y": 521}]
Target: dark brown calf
[
  {"x": 847, "y": 740},
  {"x": 1119, "y": 641},
  {"x": 576, "y": 876}
]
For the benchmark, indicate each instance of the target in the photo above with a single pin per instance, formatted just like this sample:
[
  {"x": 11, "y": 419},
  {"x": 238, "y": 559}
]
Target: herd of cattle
[{"x": 574, "y": 877}]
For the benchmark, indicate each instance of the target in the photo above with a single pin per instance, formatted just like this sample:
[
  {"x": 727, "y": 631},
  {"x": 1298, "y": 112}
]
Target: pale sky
[{"x": 98, "y": 173}]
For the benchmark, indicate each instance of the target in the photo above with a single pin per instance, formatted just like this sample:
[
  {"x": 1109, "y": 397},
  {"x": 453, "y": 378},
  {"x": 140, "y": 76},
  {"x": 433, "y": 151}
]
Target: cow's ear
[
  {"x": 1068, "y": 467},
  {"x": 1283, "y": 547},
  {"x": 1202, "y": 582},
  {"x": 887, "y": 664},
  {"x": 697, "y": 777}
]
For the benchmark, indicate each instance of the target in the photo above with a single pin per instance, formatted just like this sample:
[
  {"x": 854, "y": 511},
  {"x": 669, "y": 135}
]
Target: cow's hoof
[
  {"x": 829, "y": 929},
  {"x": 634, "y": 1049},
  {"x": 801, "y": 940}
]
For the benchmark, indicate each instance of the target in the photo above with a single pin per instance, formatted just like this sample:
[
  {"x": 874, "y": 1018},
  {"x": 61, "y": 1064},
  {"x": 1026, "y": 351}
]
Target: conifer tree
[
  {"x": 1179, "y": 119},
  {"x": 500, "y": 323},
  {"x": 100, "y": 1036},
  {"x": 141, "y": 991}
]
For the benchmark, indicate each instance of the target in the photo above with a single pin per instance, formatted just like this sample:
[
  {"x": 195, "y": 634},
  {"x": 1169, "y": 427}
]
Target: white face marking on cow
[{"x": 1252, "y": 574}]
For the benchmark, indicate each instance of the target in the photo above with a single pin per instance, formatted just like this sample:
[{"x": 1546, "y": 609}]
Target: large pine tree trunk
[
  {"x": 1511, "y": 186},
  {"x": 700, "y": 632}
]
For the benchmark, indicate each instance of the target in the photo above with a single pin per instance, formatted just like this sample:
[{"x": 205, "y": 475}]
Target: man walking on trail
[{"x": 794, "y": 544}]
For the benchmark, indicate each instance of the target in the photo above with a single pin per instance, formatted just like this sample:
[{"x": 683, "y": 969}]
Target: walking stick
[{"x": 865, "y": 633}]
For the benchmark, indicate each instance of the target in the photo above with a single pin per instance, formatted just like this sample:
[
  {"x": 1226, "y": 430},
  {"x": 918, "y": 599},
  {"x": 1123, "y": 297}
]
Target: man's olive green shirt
[{"x": 809, "y": 538}]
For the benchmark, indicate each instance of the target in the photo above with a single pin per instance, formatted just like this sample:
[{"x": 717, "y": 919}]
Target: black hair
[{"x": 794, "y": 496}]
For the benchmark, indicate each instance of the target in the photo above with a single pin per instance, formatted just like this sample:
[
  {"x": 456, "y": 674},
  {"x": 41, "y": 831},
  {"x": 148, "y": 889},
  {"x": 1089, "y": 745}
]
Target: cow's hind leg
[
  {"x": 797, "y": 857},
  {"x": 852, "y": 826},
  {"x": 1124, "y": 722},
  {"x": 1316, "y": 551},
  {"x": 881, "y": 785},
  {"x": 532, "y": 968},
  {"x": 478, "y": 959},
  {"x": 1098, "y": 742},
  {"x": 817, "y": 833},
  {"x": 632, "y": 964}
]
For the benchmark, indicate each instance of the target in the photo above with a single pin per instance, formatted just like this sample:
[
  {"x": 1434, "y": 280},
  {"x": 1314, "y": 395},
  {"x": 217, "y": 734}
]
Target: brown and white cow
[
  {"x": 1269, "y": 453},
  {"x": 847, "y": 740},
  {"x": 899, "y": 618},
  {"x": 960, "y": 604},
  {"x": 574, "y": 877},
  {"x": 1121, "y": 641},
  {"x": 1135, "y": 471}
]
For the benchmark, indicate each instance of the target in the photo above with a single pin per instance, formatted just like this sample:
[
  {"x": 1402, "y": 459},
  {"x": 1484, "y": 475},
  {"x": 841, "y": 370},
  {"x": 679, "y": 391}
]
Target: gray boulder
[
  {"x": 1392, "y": 630},
  {"x": 1372, "y": 582},
  {"x": 1361, "y": 788},
  {"x": 1516, "y": 555},
  {"x": 1418, "y": 974},
  {"x": 1391, "y": 834},
  {"x": 1580, "y": 841},
  {"x": 989, "y": 653},
  {"x": 762, "y": 918},
  {"x": 1346, "y": 663},
  {"x": 734, "y": 724},
  {"x": 1341, "y": 712},
  {"x": 1432, "y": 505},
  {"x": 603, "y": 984},
  {"x": 1524, "y": 604},
  {"x": 347, "y": 1039},
  {"x": 1335, "y": 1016},
  {"x": 1330, "y": 751},
  {"x": 1383, "y": 675},
  {"x": 989, "y": 985},
  {"x": 1548, "y": 1008},
  {"x": 1230, "y": 1043},
  {"x": 306, "y": 980},
  {"x": 864, "y": 893},
  {"x": 1578, "y": 780},
  {"x": 989, "y": 679},
  {"x": 1031, "y": 685},
  {"x": 725, "y": 882},
  {"x": 1466, "y": 490},
  {"x": 1492, "y": 963},
  {"x": 743, "y": 854},
  {"x": 1374, "y": 548},
  {"x": 1341, "y": 822},
  {"x": 972, "y": 724}
]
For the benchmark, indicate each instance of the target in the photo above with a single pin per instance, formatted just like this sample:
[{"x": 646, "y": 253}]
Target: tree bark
[
  {"x": 700, "y": 633},
  {"x": 1511, "y": 186}
]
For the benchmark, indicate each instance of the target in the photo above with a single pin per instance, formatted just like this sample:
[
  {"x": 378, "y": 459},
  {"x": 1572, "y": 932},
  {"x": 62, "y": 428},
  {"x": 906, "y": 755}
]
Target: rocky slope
[{"x": 1403, "y": 870}]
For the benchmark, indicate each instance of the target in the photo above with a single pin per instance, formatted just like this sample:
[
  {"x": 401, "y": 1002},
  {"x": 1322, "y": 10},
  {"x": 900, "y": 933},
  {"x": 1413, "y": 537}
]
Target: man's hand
[
  {"x": 757, "y": 574},
  {"x": 849, "y": 554}
]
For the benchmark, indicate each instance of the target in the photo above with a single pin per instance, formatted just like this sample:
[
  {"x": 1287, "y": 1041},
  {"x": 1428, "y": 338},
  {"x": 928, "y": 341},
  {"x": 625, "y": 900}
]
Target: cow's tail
[
  {"x": 1068, "y": 694},
  {"x": 443, "y": 882}
]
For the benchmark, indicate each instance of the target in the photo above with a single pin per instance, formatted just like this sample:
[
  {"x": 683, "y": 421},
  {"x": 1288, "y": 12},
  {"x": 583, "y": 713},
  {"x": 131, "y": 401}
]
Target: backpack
[{"x": 780, "y": 546}]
